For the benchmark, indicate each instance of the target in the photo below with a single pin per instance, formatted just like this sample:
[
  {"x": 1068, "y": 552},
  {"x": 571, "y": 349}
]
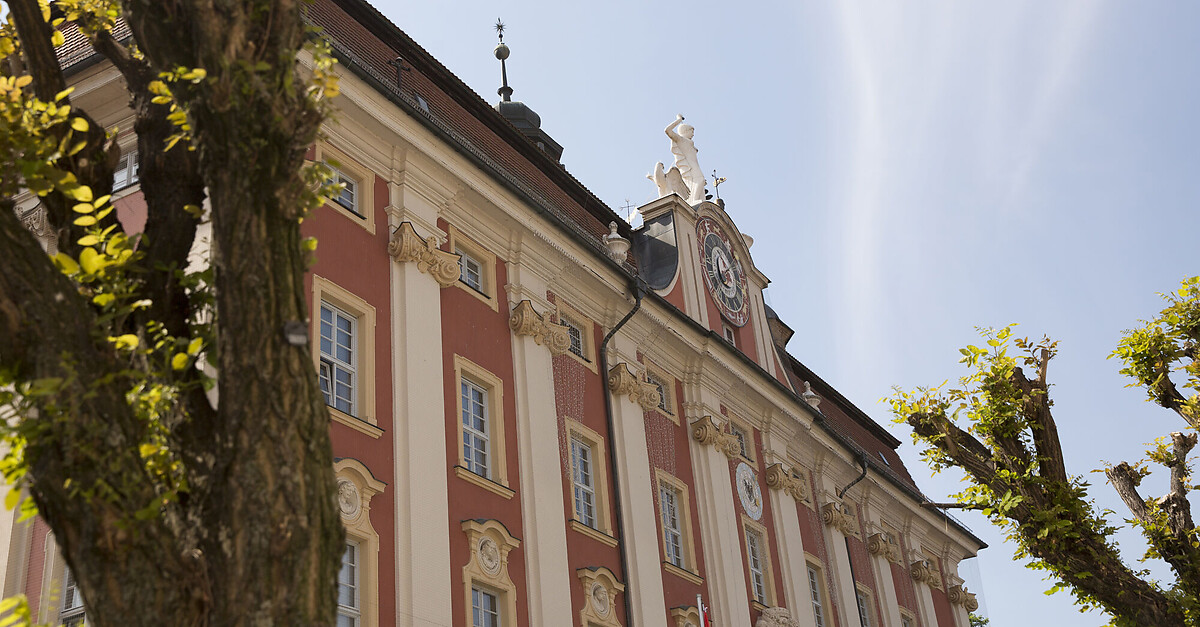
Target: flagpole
[{"x": 700, "y": 611}]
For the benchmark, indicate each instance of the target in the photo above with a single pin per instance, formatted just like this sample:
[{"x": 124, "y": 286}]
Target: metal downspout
[{"x": 636, "y": 285}]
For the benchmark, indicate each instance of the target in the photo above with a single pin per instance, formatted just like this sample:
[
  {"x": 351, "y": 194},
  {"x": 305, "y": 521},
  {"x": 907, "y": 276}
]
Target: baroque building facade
[{"x": 543, "y": 416}]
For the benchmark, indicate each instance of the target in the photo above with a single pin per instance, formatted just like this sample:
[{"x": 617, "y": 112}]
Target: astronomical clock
[{"x": 722, "y": 272}]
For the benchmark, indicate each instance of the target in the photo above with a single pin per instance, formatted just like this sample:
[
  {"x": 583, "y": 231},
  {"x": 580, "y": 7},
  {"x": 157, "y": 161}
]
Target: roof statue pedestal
[{"x": 685, "y": 178}]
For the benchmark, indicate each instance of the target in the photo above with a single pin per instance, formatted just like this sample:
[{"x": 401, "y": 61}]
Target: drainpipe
[
  {"x": 862, "y": 459},
  {"x": 637, "y": 288}
]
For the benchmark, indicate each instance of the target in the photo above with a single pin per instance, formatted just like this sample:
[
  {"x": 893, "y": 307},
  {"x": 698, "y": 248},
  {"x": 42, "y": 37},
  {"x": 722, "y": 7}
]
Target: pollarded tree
[
  {"x": 997, "y": 426},
  {"x": 169, "y": 510}
]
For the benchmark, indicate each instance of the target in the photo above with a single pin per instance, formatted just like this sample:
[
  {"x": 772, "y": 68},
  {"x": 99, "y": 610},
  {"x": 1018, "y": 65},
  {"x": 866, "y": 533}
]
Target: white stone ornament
[
  {"x": 685, "y": 177},
  {"x": 601, "y": 600},
  {"x": 748, "y": 491},
  {"x": 349, "y": 500},
  {"x": 489, "y": 555}
]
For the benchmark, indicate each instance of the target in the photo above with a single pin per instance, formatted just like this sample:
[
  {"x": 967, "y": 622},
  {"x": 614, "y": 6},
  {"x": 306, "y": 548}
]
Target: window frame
[
  {"x": 131, "y": 171},
  {"x": 336, "y": 363},
  {"x": 749, "y": 526},
  {"x": 655, "y": 373},
  {"x": 818, "y": 594},
  {"x": 460, "y": 244},
  {"x": 497, "y": 479},
  {"x": 865, "y": 604},
  {"x": 569, "y": 316},
  {"x": 351, "y": 169},
  {"x": 603, "y": 530},
  {"x": 690, "y": 571},
  {"x": 353, "y": 611},
  {"x": 496, "y": 611},
  {"x": 77, "y": 613},
  {"x": 324, "y": 290}
]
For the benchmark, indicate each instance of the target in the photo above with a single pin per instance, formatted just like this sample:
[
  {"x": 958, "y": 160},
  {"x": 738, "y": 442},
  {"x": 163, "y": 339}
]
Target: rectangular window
[
  {"x": 72, "y": 614},
  {"x": 814, "y": 588},
  {"x": 864, "y": 614},
  {"x": 668, "y": 498},
  {"x": 582, "y": 476},
  {"x": 349, "y": 610},
  {"x": 485, "y": 611},
  {"x": 470, "y": 271},
  {"x": 476, "y": 440},
  {"x": 728, "y": 332},
  {"x": 126, "y": 173},
  {"x": 754, "y": 550},
  {"x": 348, "y": 197},
  {"x": 337, "y": 370},
  {"x": 575, "y": 334}
]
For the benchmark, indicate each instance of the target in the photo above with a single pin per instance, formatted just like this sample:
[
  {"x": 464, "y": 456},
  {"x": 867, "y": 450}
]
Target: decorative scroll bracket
[
  {"x": 884, "y": 545},
  {"x": 524, "y": 320},
  {"x": 706, "y": 431},
  {"x": 841, "y": 517},
  {"x": 780, "y": 479},
  {"x": 405, "y": 245},
  {"x": 622, "y": 381}
]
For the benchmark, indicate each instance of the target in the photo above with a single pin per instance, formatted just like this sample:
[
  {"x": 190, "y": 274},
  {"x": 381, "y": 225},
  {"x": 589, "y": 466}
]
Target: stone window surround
[
  {"x": 498, "y": 455},
  {"x": 324, "y": 290},
  {"x": 357, "y": 521},
  {"x": 365, "y": 179},
  {"x": 459, "y": 244},
  {"x": 489, "y": 570},
  {"x": 750, "y": 525},
  {"x": 691, "y": 572},
  {"x": 603, "y": 532}
]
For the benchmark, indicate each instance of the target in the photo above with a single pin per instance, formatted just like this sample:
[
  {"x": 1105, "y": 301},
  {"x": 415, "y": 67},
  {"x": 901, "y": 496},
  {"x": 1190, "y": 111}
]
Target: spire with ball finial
[{"x": 502, "y": 53}]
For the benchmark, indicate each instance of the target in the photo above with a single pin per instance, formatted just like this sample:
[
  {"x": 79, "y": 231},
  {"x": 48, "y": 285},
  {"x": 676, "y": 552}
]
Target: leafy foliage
[
  {"x": 997, "y": 426},
  {"x": 109, "y": 346}
]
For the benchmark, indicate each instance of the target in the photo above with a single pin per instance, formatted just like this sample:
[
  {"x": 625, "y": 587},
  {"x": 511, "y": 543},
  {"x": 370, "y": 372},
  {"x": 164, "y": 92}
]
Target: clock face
[
  {"x": 722, "y": 272},
  {"x": 748, "y": 490}
]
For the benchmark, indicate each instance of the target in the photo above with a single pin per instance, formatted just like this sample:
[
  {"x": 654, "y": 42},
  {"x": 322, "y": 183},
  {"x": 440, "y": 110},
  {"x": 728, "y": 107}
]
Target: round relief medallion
[
  {"x": 348, "y": 499},
  {"x": 748, "y": 490},
  {"x": 489, "y": 555},
  {"x": 601, "y": 600}
]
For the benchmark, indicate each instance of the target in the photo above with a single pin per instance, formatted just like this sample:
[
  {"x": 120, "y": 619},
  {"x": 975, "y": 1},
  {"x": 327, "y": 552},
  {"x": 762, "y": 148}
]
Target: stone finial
[
  {"x": 810, "y": 397},
  {"x": 618, "y": 247}
]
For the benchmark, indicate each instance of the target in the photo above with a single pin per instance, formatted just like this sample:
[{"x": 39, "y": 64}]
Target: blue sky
[{"x": 908, "y": 171}]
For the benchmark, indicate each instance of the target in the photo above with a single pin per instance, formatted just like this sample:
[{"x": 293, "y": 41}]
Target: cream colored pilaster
[
  {"x": 920, "y": 573},
  {"x": 719, "y": 533},
  {"x": 835, "y": 529},
  {"x": 418, "y": 431},
  {"x": 639, "y": 534},
  {"x": 891, "y": 604},
  {"x": 785, "y": 492},
  {"x": 547, "y": 572}
]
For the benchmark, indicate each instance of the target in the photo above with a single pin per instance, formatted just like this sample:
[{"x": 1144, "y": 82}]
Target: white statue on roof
[{"x": 685, "y": 177}]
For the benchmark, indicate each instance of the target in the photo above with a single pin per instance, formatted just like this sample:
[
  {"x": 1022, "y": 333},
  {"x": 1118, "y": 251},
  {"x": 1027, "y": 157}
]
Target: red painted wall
[
  {"x": 357, "y": 261},
  {"x": 579, "y": 395},
  {"x": 470, "y": 328}
]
